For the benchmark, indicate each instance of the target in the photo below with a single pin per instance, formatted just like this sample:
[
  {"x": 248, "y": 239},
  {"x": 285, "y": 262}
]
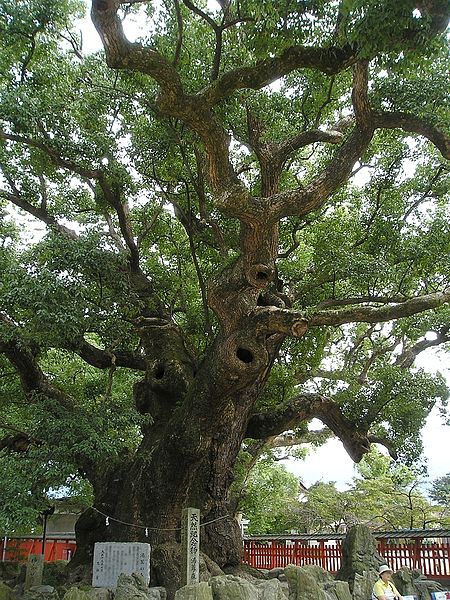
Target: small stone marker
[
  {"x": 190, "y": 546},
  {"x": 113, "y": 558},
  {"x": 35, "y": 568}
]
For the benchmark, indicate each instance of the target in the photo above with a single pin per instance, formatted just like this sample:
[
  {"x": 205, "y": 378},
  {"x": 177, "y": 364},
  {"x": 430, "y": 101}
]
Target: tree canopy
[
  {"x": 384, "y": 495},
  {"x": 245, "y": 227}
]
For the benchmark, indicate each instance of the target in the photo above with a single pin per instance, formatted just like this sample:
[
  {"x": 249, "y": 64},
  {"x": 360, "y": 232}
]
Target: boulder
[
  {"x": 6, "y": 593},
  {"x": 311, "y": 582},
  {"x": 230, "y": 587},
  {"x": 87, "y": 593},
  {"x": 359, "y": 557},
  {"x": 412, "y": 582},
  {"x": 133, "y": 587},
  {"x": 199, "y": 591},
  {"x": 306, "y": 582},
  {"x": 270, "y": 590},
  {"x": 76, "y": 593},
  {"x": 363, "y": 584},
  {"x": 41, "y": 592}
]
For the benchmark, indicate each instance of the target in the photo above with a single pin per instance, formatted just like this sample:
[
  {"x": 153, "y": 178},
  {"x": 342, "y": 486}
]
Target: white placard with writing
[
  {"x": 113, "y": 558},
  {"x": 440, "y": 595}
]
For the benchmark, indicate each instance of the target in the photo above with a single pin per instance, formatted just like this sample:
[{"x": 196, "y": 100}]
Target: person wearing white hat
[{"x": 384, "y": 589}]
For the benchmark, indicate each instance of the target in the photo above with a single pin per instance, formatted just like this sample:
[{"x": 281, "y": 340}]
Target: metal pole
[
  {"x": 5, "y": 541},
  {"x": 44, "y": 533}
]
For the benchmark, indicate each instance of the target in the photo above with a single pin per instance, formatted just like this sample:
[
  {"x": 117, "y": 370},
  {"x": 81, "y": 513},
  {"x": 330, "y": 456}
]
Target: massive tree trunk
[{"x": 198, "y": 418}]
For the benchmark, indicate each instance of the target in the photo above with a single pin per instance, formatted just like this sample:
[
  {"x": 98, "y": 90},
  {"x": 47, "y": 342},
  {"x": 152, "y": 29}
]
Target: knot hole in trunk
[
  {"x": 245, "y": 355},
  {"x": 260, "y": 275}
]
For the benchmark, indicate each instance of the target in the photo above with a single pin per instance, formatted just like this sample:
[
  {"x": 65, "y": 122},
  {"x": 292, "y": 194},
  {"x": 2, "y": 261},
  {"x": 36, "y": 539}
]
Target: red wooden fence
[
  {"x": 432, "y": 559},
  {"x": 19, "y": 549}
]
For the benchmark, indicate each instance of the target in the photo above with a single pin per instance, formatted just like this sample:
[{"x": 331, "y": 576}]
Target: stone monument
[
  {"x": 35, "y": 569},
  {"x": 113, "y": 558},
  {"x": 190, "y": 546}
]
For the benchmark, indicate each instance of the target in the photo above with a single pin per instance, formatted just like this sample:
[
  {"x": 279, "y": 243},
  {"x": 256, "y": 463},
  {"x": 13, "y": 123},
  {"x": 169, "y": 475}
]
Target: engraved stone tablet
[
  {"x": 35, "y": 567},
  {"x": 190, "y": 546},
  {"x": 113, "y": 558}
]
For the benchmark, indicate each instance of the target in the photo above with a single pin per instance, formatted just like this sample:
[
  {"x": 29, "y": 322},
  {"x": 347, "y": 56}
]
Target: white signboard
[
  {"x": 113, "y": 558},
  {"x": 440, "y": 595}
]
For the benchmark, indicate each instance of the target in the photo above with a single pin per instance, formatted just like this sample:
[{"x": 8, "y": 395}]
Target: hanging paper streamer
[{"x": 107, "y": 521}]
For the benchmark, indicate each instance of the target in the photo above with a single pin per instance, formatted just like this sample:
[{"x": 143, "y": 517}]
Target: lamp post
[{"x": 46, "y": 513}]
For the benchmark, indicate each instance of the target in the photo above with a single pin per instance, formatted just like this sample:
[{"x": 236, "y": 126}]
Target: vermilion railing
[
  {"x": 433, "y": 560},
  {"x": 19, "y": 549}
]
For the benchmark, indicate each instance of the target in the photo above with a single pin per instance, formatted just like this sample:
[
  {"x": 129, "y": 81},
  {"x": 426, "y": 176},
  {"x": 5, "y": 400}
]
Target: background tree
[
  {"x": 440, "y": 490},
  {"x": 222, "y": 260},
  {"x": 384, "y": 495},
  {"x": 271, "y": 495}
]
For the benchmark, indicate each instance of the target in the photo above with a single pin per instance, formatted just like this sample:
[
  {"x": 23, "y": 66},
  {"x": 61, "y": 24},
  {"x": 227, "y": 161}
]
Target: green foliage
[
  {"x": 269, "y": 498},
  {"x": 440, "y": 490},
  {"x": 383, "y": 235}
]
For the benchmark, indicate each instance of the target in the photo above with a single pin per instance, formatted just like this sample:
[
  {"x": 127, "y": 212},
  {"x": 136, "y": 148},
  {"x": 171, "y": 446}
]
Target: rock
[
  {"x": 9, "y": 571},
  {"x": 312, "y": 582},
  {"x": 341, "y": 591},
  {"x": 77, "y": 594},
  {"x": 359, "y": 555},
  {"x": 230, "y": 587},
  {"x": 6, "y": 593},
  {"x": 87, "y": 593},
  {"x": 270, "y": 590},
  {"x": 199, "y": 591},
  {"x": 133, "y": 587},
  {"x": 41, "y": 592},
  {"x": 100, "y": 594},
  {"x": 363, "y": 584},
  {"x": 412, "y": 582},
  {"x": 303, "y": 583}
]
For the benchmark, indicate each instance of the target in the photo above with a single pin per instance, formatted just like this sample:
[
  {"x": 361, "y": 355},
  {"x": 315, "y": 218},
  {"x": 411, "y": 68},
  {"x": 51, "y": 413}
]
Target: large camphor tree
[{"x": 243, "y": 227}]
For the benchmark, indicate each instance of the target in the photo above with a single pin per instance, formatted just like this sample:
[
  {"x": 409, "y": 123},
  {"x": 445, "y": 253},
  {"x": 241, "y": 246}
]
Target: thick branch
[
  {"x": 413, "y": 124},
  {"x": 366, "y": 314},
  {"x": 374, "y": 439},
  {"x": 40, "y": 213},
  {"x": 305, "y": 407},
  {"x": 31, "y": 375},
  {"x": 122, "y": 54},
  {"x": 328, "y": 60},
  {"x": 103, "y": 359},
  {"x": 305, "y": 200},
  {"x": 407, "y": 357}
]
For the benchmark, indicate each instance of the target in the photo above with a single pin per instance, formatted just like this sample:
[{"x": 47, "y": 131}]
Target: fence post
[
  {"x": 323, "y": 558},
  {"x": 417, "y": 549}
]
